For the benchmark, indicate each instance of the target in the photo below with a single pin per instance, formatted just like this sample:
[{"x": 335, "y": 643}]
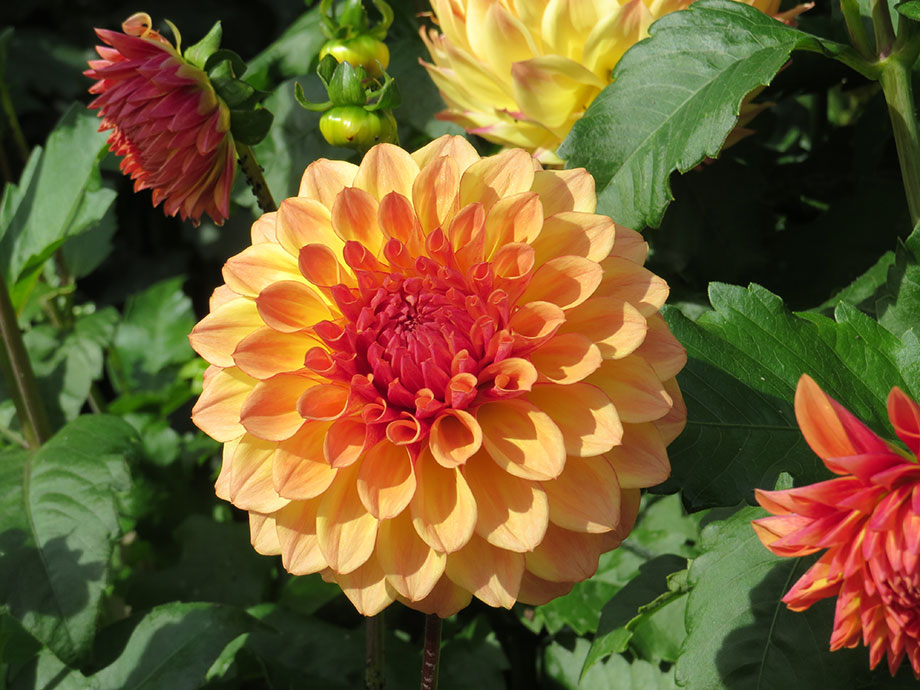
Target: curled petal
[{"x": 454, "y": 437}]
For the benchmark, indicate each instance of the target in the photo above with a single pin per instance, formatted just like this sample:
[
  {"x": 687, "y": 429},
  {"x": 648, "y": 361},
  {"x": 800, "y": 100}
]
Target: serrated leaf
[
  {"x": 898, "y": 309},
  {"x": 865, "y": 289},
  {"x": 563, "y": 665},
  {"x": 199, "y": 53},
  {"x": 173, "y": 647},
  {"x": 59, "y": 518},
  {"x": 746, "y": 357},
  {"x": 909, "y": 8},
  {"x": 673, "y": 100}
]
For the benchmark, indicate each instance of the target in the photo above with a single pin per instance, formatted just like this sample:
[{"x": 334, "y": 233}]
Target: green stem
[
  {"x": 255, "y": 178},
  {"x": 18, "y": 374},
  {"x": 7, "y": 104},
  {"x": 855, "y": 27},
  {"x": 884, "y": 31},
  {"x": 432, "y": 652},
  {"x": 896, "y": 85},
  {"x": 374, "y": 677}
]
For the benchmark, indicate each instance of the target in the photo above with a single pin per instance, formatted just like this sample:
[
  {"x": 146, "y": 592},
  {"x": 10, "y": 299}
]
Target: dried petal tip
[
  {"x": 440, "y": 376},
  {"x": 868, "y": 520},
  {"x": 167, "y": 122}
]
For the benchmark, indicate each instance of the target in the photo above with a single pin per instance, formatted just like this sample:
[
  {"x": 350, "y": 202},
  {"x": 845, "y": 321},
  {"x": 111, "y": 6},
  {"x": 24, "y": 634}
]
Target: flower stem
[
  {"x": 374, "y": 678},
  {"x": 20, "y": 379},
  {"x": 896, "y": 85},
  {"x": 432, "y": 652},
  {"x": 255, "y": 178},
  {"x": 7, "y": 104},
  {"x": 884, "y": 31},
  {"x": 858, "y": 36}
]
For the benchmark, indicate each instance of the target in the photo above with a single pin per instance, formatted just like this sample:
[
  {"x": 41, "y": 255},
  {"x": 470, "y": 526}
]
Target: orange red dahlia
[
  {"x": 868, "y": 519},
  {"x": 167, "y": 122},
  {"x": 440, "y": 376}
]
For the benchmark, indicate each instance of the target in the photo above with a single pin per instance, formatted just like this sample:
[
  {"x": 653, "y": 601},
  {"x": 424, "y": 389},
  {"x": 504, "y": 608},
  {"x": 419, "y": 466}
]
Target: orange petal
[
  {"x": 587, "y": 419},
  {"x": 434, "y": 193},
  {"x": 565, "y": 190},
  {"x": 537, "y": 591},
  {"x": 258, "y": 266},
  {"x": 296, "y": 526},
  {"x": 523, "y": 440},
  {"x": 904, "y": 414},
  {"x": 305, "y": 221},
  {"x": 216, "y": 336},
  {"x": 412, "y": 567},
  {"x": 626, "y": 281},
  {"x": 270, "y": 411},
  {"x": 345, "y": 529},
  {"x": 661, "y": 349},
  {"x": 617, "y": 328},
  {"x": 321, "y": 266},
  {"x": 300, "y": 470},
  {"x": 641, "y": 460},
  {"x": 251, "y": 476},
  {"x": 633, "y": 387},
  {"x": 566, "y": 358},
  {"x": 585, "y": 497},
  {"x": 821, "y": 425},
  {"x": 367, "y": 588},
  {"x": 324, "y": 179},
  {"x": 354, "y": 218},
  {"x": 566, "y": 556},
  {"x": 325, "y": 402},
  {"x": 535, "y": 323},
  {"x": 221, "y": 295},
  {"x": 266, "y": 352},
  {"x": 515, "y": 218},
  {"x": 263, "y": 229},
  {"x": 222, "y": 484},
  {"x": 574, "y": 234},
  {"x": 454, "y": 437},
  {"x": 289, "y": 306},
  {"x": 386, "y": 481},
  {"x": 566, "y": 281},
  {"x": 672, "y": 424},
  {"x": 397, "y": 220},
  {"x": 628, "y": 244},
  {"x": 443, "y": 508},
  {"x": 263, "y": 536},
  {"x": 492, "y": 574},
  {"x": 344, "y": 442},
  {"x": 445, "y": 599},
  {"x": 496, "y": 177},
  {"x": 386, "y": 168},
  {"x": 217, "y": 411},
  {"x": 454, "y": 147},
  {"x": 513, "y": 512}
]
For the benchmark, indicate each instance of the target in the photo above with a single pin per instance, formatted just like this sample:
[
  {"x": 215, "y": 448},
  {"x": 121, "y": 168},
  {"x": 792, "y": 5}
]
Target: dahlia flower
[
  {"x": 868, "y": 519},
  {"x": 522, "y": 73},
  {"x": 439, "y": 376},
  {"x": 167, "y": 122}
]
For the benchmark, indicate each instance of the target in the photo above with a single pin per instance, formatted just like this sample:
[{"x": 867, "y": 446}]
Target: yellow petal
[
  {"x": 625, "y": 281},
  {"x": 263, "y": 229},
  {"x": 513, "y": 512},
  {"x": 345, "y": 529},
  {"x": 270, "y": 411},
  {"x": 386, "y": 168},
  {"x": 585, "y": 497},
  {"x": 565, "y": 281},
  {"x": 566, "y": 556},
  {"x": 633, "y": 387},
  {"x": 412, "y": 567},
  {"x": 616, "y": 327},
  {"x": 300, "y": 470},
  {"x": 263, "y": 536},
  {"x": 386, "y": 481},
  {"x": 512, "y": 218},
  {"x": 266, "y": 352},
  {"x": 222, "y": 484},
  {"x": 641, "y": 460},
  {"x": 258, "y": 266},
  {"x": 324, "y": 179},
  {"x": 367, "y": 588},
  {"x": 574, "y": 234},
  {"x": 296, "y": 527},
  {"x": 616, "y": 33},
  {"x": 305, "y": 221},
  {"x": 454, "y": 437},
  {"x": 565, "y": 23},
  {"x": 552, "y": 90},
  {"x": 587, "y": 419},
  {"x": 289, "y": 306},
  {"x": 434, "y": 192},
  {"x": 443, "y": 507},
  {"x": 221, "y": 295},
  {"x": 216, "y": 336},
  {"x": 454, "y": 147},
  {"x": 492, "y": 574},
  {"x": 217, "y": 411},
  {"x": 535, "y": 323},
  {"x": 523, "y": 440},
  {"x": 498, "y": 37},
  {"x": 251, "y": 476},
  {"x": 445, "y": 599},
  {"x": 496, "y": 177},
  {"x": 566, "y": 358},
  {"x": 565, "y": 190}
]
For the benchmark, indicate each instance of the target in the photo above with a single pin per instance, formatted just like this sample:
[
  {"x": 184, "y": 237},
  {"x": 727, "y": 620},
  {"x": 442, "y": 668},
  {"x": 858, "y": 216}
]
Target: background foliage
[{"x": 789, "y": 253}]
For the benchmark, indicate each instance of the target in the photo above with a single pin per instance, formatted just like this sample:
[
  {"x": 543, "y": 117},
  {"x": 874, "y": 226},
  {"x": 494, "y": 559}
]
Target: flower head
[
  {"x": 868, "y": 519},
  {"x": 522, "y": 73},
  {"x": 438, "y": 375},
  {"x": 166, "y": 120}
]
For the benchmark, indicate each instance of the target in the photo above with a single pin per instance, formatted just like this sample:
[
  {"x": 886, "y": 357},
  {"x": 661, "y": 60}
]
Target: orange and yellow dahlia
[
  {"x": 166, "y": 119},
  {"x": 438, "y": 375},
  {"x": 868, "y": 519},
  {"x": 522, "y": 72}
]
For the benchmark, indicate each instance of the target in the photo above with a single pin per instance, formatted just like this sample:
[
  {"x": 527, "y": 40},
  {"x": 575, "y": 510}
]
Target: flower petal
[
  {"x": 346, "y": 531},
  {"x": 574, "y": 234},
  {"x": 289, "y": 306},
  {"x": 566, "y": 556},
  {"x": 566, "y": 281},
  {"x": 523, "y": 440},
  {"x": 617, "y": 328},
  {"x": 904, "y": 414},
  {"x": 566, "y": 358},
  {"x": 300, "y": 470},
  {"x": 629, "y": 282},
  {"x": 496, "y": 177},
  {"x": 263, "y": 536},
  {"x": 496, "y": 585},
  {"x": 270, "y": 411},
  {"x": 217, "y": 411},
  {"x": 585, "y": 497},
  {"x": 587, "y": 419},
  {"x": 324, "y": 179},
  {"x": 443, "y": 508},
  {"x": 384, "y": 169},
  {"x": 641, "y": 460},
  {"x": 412, "y": 567},
  {"x": 386, "y": 480},
  {"x": 562, "y": 191},
  {"x": 454, "y": 436},
  {"x": 296, "y": 526},
  {"x": 266, "y": 352},
  {"x": 305, "y": 221},
  {"x": 367, "y": 588},
  {"x": 258, "y": 266},
  {"x": 250, "y": 485},
  {"x": 444, "y": 600},
  {"x": 216, "y": 336}
]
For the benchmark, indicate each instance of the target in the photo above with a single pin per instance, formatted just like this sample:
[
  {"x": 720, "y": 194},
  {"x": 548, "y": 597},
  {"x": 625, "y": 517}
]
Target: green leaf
[
  {"x": 47, "y": 672},
  {"x": 199, "y": 53},
  {"x": 58, "y": 511},
  {"x": 250, "y": 126},
  {"x": 289, "y": 56},
  {"x": 746, "y": 357},
  {"x": 864, "y": 291},
  {"x": 673, "y": 100},
  {"x": 563, "y": 664},
  {"x": 909, "y": 8},
  {"x": 899, "y": 307},
  {"x": 153, "y": 335},
  {"x": 643, "y": 594},
  {"x": 49, "y": 203},
  {"x": 345, "y": 87},
  {"x": 173, "y": 647}
]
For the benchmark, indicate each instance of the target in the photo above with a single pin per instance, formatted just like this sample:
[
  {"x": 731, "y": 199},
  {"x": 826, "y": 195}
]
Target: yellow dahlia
[
  {"x": 438, "y": 375},
  {"x": 522, "y": 72}
]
